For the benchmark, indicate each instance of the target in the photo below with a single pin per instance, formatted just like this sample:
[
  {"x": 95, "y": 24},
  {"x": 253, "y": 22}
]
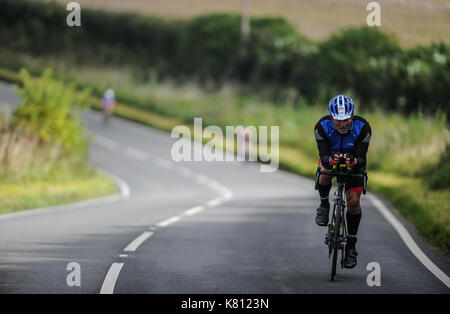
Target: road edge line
[{"x": 408, "y": 240}]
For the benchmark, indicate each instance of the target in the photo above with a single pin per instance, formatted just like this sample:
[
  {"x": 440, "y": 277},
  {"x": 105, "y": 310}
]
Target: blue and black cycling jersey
[{"x": 355, "y": 141}]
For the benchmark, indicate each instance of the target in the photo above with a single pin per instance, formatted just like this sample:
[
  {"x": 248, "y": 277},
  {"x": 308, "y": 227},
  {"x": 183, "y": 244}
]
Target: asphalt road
[{"x": 196, "y": 227}]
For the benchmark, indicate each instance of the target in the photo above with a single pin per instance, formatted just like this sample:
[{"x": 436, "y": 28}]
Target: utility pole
[{"x": 245, "y": 20}]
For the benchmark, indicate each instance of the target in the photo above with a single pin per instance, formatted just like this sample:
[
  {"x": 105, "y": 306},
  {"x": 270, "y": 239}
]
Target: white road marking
[
  {"x": 185, "y": 172},
  {"x": 137, "y": 154},
  {"x": 106, "y": 142},
  {"x": 215, "y": 202},
  {"x": 228, "y": 195},
  {"x": 169, "y": 221},
  {"x": 216, "y": 186},
  {"x": 123, "y": 255},
  {"x": 202, "y": 179},
  {"x": 124, "y": 188},
  {"x": 133, "y": 246},
  {"x": 160, "y": 162},
  {"x": 111, "y": 278},
  {"x": 193, "y": 211},
  {"x": 408, "y": 240}
]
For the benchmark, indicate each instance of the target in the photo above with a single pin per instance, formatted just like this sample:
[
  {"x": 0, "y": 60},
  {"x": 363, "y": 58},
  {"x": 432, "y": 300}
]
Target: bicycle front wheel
[{"x": 337, "y": 229}]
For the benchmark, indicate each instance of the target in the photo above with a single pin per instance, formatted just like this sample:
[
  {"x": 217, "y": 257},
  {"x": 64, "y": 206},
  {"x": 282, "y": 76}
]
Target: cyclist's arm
[
  {"x": 362, "y": 145},
  {"x": 322, "y": 142}
]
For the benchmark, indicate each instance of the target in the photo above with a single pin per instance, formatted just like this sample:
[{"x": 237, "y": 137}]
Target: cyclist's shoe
[
  {"x": 322, "y": 216},
  {"x": 350, "y": 257}
]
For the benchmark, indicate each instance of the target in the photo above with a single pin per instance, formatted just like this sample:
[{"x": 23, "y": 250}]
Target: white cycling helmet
[
  {"x": 109, "y": 94},
  {"x": 341, "y": 107}
]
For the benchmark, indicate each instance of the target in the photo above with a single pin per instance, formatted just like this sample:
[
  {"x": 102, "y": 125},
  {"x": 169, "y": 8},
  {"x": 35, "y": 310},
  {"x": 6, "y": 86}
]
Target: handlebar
[{"x": 341, "y": 170}]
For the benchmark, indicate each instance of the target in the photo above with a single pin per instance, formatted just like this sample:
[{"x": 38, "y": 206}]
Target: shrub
[
  {"x": 52, "y": 110},
  {"x": 440, "y": 176},
  {"x": 423, "y": 74},
  {"x": 359, "y": 60}
]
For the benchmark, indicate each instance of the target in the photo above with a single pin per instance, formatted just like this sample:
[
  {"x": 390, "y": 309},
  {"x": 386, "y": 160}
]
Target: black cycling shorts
[{"x": 353, "y": 183}]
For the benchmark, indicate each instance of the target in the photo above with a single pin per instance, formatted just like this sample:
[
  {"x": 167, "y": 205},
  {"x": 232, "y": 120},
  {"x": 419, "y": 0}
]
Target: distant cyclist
[
  {"x": 108, "y": 104},
  {"x": 342, "y": 134}
]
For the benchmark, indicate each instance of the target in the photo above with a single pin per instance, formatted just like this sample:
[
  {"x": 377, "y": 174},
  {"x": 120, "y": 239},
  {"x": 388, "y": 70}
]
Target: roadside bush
[
  {"x": 52, "y": 110},
  {"x": 423, "y": 77},
  {"x": 440, "y": 177},
  {"x": 359, "y": 60}
]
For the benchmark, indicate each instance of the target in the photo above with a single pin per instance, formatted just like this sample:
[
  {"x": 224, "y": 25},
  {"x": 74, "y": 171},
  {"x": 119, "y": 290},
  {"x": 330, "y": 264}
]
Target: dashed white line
[
  {"x": 215, "y": 202},
  {"x": 185, "y": 172},
  {"x": 113, "y": 273},
  {"x": 106, "y": 142},
  {"x": 137, "y": 154},
  {"x": 228, "y": 195},
  {"x": 133, "y": 246},
  {"x": 169, "y": 221},
  {"x": 160, "y": 162},
  {"x": 202, "y": 179},
  {"x": 193, "y": 211},
  {"x": 111, "y": 278}
]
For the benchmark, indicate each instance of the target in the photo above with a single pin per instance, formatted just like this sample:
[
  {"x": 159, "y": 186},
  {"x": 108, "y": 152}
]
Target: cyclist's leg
[
  {"x": 353, "y": 217},
  {"x": 353, "y": 190},
  {"x": 324, "y": 183},
  {"x": 324, "y": 191}
]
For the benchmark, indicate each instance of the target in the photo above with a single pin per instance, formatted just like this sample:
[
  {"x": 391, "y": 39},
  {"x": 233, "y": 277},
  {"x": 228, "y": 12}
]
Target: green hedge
[
  {"x": 440, "y": 175},
  {"x": 364, "y": 62}
]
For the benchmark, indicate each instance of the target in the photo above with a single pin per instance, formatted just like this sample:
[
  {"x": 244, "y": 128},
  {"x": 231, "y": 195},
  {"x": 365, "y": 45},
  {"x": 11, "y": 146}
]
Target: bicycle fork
[{"x": 330, "y": 236}]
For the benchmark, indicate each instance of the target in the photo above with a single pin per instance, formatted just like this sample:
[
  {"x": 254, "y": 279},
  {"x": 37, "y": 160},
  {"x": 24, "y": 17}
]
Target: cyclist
[
  {"x": 342, "y": 134},
  {"x": 108, "y": 103}
]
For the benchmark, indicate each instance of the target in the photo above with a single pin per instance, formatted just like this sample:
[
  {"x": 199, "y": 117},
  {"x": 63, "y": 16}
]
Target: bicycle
[
  {"x": 336, "y": 236},
  {"x": 108, "y": 111}
]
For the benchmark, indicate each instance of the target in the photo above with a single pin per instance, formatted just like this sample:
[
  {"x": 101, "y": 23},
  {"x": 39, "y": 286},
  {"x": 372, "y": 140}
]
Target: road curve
[{"x": 196, "y": 227}]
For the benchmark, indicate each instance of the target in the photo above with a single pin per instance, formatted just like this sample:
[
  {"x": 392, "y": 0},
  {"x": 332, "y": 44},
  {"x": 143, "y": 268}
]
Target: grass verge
[{"x": 27, "y": 195}]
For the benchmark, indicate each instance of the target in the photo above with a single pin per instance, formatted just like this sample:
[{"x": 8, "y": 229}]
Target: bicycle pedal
[{"x": 327, "y": 240}]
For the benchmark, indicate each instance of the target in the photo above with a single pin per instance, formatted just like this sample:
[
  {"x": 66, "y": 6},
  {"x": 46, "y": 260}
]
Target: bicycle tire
[{"x": 337, "y": 229}]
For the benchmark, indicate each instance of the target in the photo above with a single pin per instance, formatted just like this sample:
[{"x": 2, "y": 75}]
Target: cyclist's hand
[
  {"x": 336, "y": 158},
  {"x": 327, "y": 162},
  {"x": 350, "y": 160}
]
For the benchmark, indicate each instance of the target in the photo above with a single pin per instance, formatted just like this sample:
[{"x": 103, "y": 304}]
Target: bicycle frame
[
  {"x": 337, "y": 227},
  {"x": 336, "y": 236}
]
